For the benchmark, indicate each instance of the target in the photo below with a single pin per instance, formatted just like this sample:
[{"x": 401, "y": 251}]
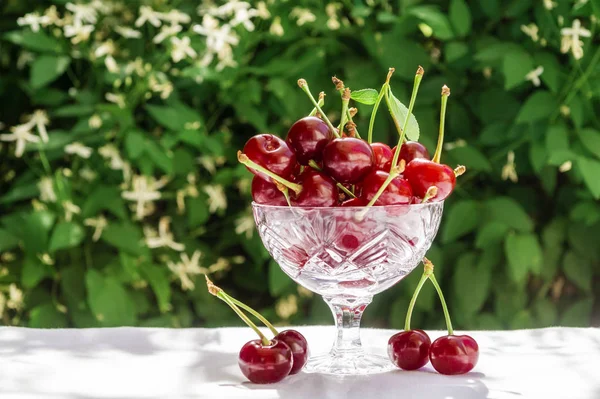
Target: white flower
[
  {"x": 83, "y": 12},
  {"x": 147, "y": 14},
  {"x": 111, "y": 64},
  {"x": 220, "y": 265},
  {"x": 570, "y": 39},
  {"x": 21, "y": 134},
  {"x": 34, "y": 20},
  {"x": 99, "y": 224},
  {"x": 509, "y": 170},
  {"x": 111, "y": 152},
  {"x": 106, "y": 48},
  {"x": 549, "y": 4},
  {"x": 52, "y": 17},
  {"x": 244, "y": 17},
  {"x": 245, "y": 225},
  {"x": 216, "y": 197},
  {"x": 331, "y": 9},
  {"x": 164, "y": 238},
  {"x": 208, "y": 163},
  {"x": 144, "y": 190},
  {"x": 25, "y": 58},
  {"x": 95, "y": 121},
  {"x": 302, "y": 15},
  {"x": 276, "y": 27},
  {"x": 87, "y": 174},
  {"x": 128, "y": 32},
  {"x": 531, "y": 30},
  {"x": 455, "y": 144},
  {"x": 2, "y": 302},
  {"x": 565, "y": 166},
  {"x": 287, "y": 307},
  {"x": 187, "y": 267},
  {"x": 70, "y": 210},
  {"x": 181, "y": 49},
  {"x": 40, "y": 120},
  {"x": 46, "y": 187},
  {"x": 78, "y": 149},
  {"x": 565, "y": 110},
  {"x": 534, "y": 76},
  {"x": 15, "y": 297},
  {"x": 118, "y": 99},
  {"x": 167, "y": 31},
  {"x": 217, "y": 37},
  {"x": 176, "y": 17},
  {"x": 78, "y": 32},
  {"x": 263, "y": 11}
]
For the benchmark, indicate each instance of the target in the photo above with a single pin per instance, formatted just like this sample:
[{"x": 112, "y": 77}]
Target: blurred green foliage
[{"x": 158, "y": 102}]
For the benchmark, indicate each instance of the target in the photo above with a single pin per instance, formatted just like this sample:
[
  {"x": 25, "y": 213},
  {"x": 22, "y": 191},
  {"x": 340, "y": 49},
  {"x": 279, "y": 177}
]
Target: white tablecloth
[{"x": 202, "y": 363}]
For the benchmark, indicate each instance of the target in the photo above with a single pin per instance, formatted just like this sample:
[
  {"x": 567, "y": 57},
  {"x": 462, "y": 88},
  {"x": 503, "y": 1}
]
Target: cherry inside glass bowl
[{"x": 347, "y": 255}]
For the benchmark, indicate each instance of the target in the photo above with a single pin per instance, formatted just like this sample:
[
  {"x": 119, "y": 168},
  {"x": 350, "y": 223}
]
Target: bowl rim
[{"x": 350, "y": 208}]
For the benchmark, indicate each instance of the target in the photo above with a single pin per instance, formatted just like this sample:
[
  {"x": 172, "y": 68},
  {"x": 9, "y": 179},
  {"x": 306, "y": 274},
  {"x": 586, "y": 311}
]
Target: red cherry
[
  {"x": 397, "y": 192},
  {"x": 358, "y": 201},
  {"x": 383, "y": 155},
  {"x": 409, "y": 151},
  {"x": 348, "y": 160},
  {"x": 422, "y": 174},
  {"x": 264, "y": 192},
  {"x": 271, "y": 153},
  {"x": 263, "y": 364},
  {"x": 454, "y": 354},
  {"x": 307, "y": 137},
  {"x": 298, "y": 345},
  {"x": 409, "y": 350},
  {"x": 318, "y": 190}
]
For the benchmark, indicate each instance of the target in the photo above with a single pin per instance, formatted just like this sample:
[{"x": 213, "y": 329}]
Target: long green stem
[
  {"x": 413, "y": 300},
  {"x": 304, "y": 86},
  {"x": 413, "y": 96},
  {"x": 438, "y": 150},
  {"x": 243, "y": 159},
  {"x": 374, "y": 112},
  {"x": 345, "y": 100},
  {"x": 444, "y": 306},
  {"x": 321, "y": 102},
  {"x": 253, "y": 313}
]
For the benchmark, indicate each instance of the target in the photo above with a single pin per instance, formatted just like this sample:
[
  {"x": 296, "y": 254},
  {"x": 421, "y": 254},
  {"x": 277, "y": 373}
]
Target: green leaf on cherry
[
  {"x": 400, "y": 111},
  {"x": 365, "y": 96}
]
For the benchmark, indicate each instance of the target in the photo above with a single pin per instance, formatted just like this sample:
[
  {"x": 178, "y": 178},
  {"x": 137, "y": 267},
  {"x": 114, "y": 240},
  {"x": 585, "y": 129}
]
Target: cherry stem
[
  {"x": 413, "y": 300},
  {"x": 344, "y": 117},
  {"x": 444, "y": 306},
  {"x": 253, "y": 313},
  {"x": 393, "y": 174},
  {"x": 315, "y": 166},
  {"x": 321, "y": 102},
  {"x": 438, "y": 150},
  {"x": 413, "y": 97},
  {"x": 304, "y": 86},
  {"x": 285, "y": 191},
  {"x": 431, "y": 192},
  {"x": 376, "y": 105},
  {"x": 219, "y": 293},
  {"x": 244, "y": 160},
  {"x": 460, "y": 170}
]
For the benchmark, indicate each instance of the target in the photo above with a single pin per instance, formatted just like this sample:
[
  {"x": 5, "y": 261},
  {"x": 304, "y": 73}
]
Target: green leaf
[
  {"x": 135, "y": 144},
  {"x": 578, "y": 314},
  {"x": 471, "y": 284},
  {"x": 524, "y": 254},
  {"x": 587, "y": 212},
  {"x": 47, "y": 68},
  {"x": 7, "y": 241},
  {"x": 73, "y": 110},
  {"x": 454, "y": 51},
  {"x": 107, "y": 198},
  {"x": 435, "y": 19},
  {"x": 159, "y": 281},
  {"x": 36, "y": 228},
  {"x": 510, "y": 212},
  {"x": 460, "y": 16},
  {"x": 47, "y": 316},
  {"x": 590, "y": 170},
  {"x": 109, "y": 301},
  {"x": 197, "y": 211},
  {"x": 124, "y": 236},
  {"x": 578, "y": 270},
  {"x": 516, "y": 65},
  {"x": 159, "y": 157},
  {"x": 20, "y": 193},
  {"x": 279, "y": 282},
  {"x": 471, "y": 157},
  {"x": 72, "y": 285},
  {"x": 539, "y": 105},
  {"x": 66, "y": 235},
  {"x": 463, "y": 218},
  {"x": 491, "y": 233},
  {"x": 590, "y": 138},
  {"x": 400, "y": 111},
  {"x": 33, "y": 272},
  {"x": 545, "y": 313},
  {"x": 37, "y": 41},
  {"x": 174, "y": 116},
  {"x": 557, "y": 139},
  {"x": 365, "y": 96}
]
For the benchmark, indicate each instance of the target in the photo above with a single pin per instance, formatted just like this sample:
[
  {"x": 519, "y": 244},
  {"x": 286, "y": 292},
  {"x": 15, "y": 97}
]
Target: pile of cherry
[{"x": 319, "y": 165}]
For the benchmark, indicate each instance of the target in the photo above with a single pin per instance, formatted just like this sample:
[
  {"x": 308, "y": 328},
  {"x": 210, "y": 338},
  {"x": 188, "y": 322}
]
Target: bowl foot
[{"x": 361, "y": 364}]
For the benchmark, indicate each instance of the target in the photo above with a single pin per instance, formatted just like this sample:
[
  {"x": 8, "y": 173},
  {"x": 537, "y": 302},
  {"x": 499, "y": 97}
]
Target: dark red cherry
[
  {"x": 396, "y": 193},
  {"x": 265, "y": 364},
  {"x": 271, "y": 153},
  {"x": 358, "y": 201},
  {"x": 348, "y": 160},
  {"x": 383, "y": 155},
  {"x": 298, "y": 345},
  {"x": 308, "y": 137},
  {"x": 318, "y": 190},
  {"x": 454, "y": 354},
  {"x": 409, "y": 350},
  {"x": 422, "y": 174},
  {"x": 265, "y": 192},
  {"x": 409, "y": 151}
]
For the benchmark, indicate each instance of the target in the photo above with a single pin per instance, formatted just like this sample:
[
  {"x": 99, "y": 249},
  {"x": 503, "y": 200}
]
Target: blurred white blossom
[
  {"x": 118, "y": 99},
  {"x": 263, "y": 11},
  {"x": 565, "y": 166},
  {"x": 302, "y": 15},
  {"x": 216, "y": 197},
  {"x": 245, "y": 225},
  {"x": 187, "y": 267},
  {"x": 549, "y": 4},
  {"x": 78, "y": 32},
  {"x": 15, "y": 297},
  {"x": 164, "y": 238},
  {"x": 287, "y": 307},
  {"x": 181, "y": 49},
  {"x": 509, "y": 171},
  {"x": 83, "y": 12},
  {"x": 167, "y": 31},
  {"x": 21, "y": 134},
  {"x": 531, "y": 30},
  {"x": 70, "y": 210},
  {"x": 144, "y": 189},
  {"x": 87, "y": 174},
  {"x": 99, "y": 224},
  {"x": 128, "y": 33},
  {"x": 46, "y": 187},
  {"x": 40, "y": 120},
  {"x": 176, "y": 17},
  {"x": 534, "y": 75},
  {"x": 34, "y": 20},
  {"x": 276, "y": 27},
  {"x": 95, "y": 121},
  {"x": 76, "y": 148},
  {"x": 571, "y": 39},
  {"x": 147, "y": 14}
]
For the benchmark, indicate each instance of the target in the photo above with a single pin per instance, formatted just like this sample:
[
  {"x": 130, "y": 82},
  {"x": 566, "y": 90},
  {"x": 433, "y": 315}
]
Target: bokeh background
[{"x": 119, "y": 185}]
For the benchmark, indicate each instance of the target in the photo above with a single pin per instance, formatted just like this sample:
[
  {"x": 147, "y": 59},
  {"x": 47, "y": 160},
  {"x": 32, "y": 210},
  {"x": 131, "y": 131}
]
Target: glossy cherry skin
[
  {"x": 264, "y": 192},
  {"x": 454, "y": 354},
  {"x": 298, "y": 345},
  {"x": 265, "y": 364},
  {"x": 307, "y": 138},
  {"x": 422, "y": 174},
  {"x": 383, "y": 156},
  {"x": 271, "y": 153},
  {"x": 409, "y": 151},
  {"x": 318, "y": 190},
  {"x": 409, "y": 350},
  {"x": 398, "y": 192},
  {"x": 348, "y": 160}
]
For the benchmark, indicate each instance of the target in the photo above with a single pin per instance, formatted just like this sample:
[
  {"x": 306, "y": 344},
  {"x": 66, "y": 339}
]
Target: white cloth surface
[{"x": 202, "y": 363}]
